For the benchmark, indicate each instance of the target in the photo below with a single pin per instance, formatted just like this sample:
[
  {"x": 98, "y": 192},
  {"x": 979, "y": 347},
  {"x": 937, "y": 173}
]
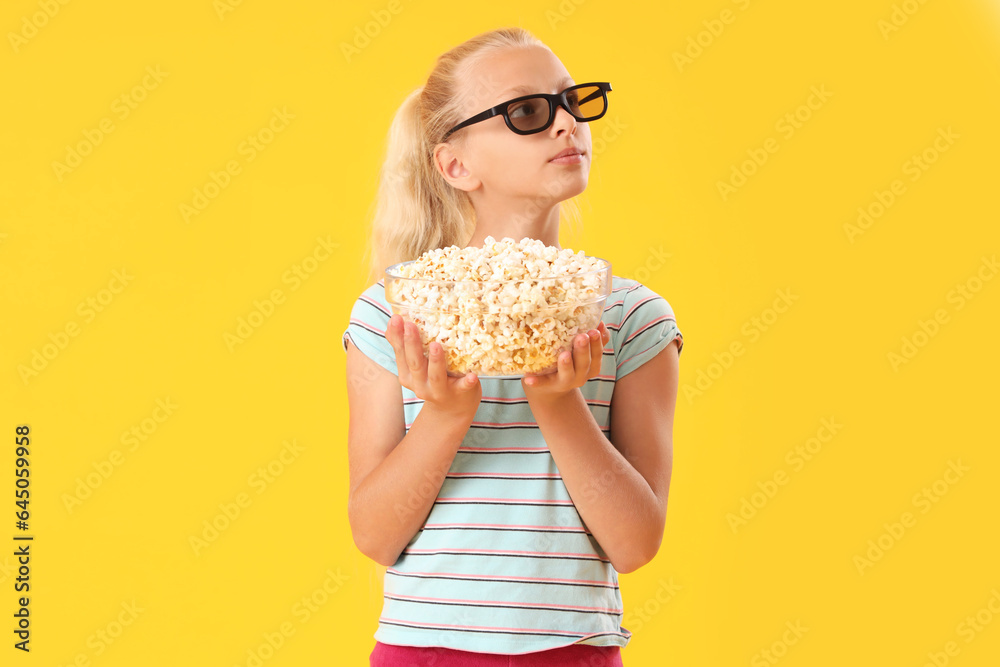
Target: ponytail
[{"x": 416, "y": 209}]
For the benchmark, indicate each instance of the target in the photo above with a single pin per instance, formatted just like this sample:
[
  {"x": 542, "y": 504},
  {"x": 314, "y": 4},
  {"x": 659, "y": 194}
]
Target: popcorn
[{"x": 507, "y": 308}]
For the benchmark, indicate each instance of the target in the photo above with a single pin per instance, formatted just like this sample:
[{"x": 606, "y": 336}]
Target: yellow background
[{"x": 682, "y": 127}]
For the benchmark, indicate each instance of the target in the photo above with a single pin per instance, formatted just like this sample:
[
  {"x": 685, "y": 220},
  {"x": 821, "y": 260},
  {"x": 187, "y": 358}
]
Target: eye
[{"x": 525, "y": 109}]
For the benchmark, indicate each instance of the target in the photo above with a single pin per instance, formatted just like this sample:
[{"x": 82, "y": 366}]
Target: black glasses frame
[{"x": 553, "y": 99}]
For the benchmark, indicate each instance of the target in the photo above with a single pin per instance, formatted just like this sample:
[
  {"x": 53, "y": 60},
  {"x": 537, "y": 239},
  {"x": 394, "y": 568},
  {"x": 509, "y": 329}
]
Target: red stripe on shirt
[
  {"x": 537, "y": 605},
  {"x": 537, "y": 580}
]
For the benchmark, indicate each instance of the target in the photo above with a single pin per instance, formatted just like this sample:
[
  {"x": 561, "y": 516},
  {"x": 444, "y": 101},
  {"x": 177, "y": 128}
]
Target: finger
[
  {"x": 533, "y": 380},
  {"x": 579, "y": 359},
  {"x": 415, "y": 359},
  {"x": 596, "y": 353},
  {"x": 391, "y": 331},
  {"x": 393, "y": 334},
  {"x": 564, "y": 367},
  {"x": 437, "y": 371}
]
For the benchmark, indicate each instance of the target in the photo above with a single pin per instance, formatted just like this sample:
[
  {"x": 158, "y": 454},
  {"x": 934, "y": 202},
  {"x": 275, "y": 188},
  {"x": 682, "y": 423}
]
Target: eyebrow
[{"x": 528, "y": 90}]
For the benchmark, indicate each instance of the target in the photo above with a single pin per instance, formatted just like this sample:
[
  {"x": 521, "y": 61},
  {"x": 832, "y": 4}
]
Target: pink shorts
[{"x": 574, "y": 655}]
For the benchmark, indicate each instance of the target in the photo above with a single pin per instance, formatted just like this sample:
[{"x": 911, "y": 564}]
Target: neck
[{"x": 542, "y": 225}]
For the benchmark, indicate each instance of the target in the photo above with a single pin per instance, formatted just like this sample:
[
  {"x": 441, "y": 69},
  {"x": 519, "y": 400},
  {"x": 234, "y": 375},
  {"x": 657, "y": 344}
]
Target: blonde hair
[{"x": 415, "y": 208}]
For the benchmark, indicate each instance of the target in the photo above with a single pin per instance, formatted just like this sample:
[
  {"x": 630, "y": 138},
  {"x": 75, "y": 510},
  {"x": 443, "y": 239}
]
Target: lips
[{"x": 568, "y": 151}]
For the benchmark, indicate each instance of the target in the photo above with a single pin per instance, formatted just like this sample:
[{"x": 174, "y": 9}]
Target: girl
[{"x": 503, "y": 509}]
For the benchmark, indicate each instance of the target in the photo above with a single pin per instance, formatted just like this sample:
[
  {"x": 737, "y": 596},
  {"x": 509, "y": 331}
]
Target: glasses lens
[
  {"x": 529, "y": 114},
  {"x": 587, "y": 102}
]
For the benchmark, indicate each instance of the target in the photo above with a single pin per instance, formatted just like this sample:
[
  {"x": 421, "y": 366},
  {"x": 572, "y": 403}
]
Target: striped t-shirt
[{"x": 504, "y": 562}]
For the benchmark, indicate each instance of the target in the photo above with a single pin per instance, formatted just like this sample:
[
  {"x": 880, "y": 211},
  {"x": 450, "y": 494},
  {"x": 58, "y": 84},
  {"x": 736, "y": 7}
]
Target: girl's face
[{"x": 509, "y": 166}]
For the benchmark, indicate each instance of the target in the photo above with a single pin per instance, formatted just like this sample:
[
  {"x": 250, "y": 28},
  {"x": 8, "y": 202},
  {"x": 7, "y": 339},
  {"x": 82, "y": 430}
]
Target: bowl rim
[
  {"x": 504, "y": 310},
  {"x": 389, "y": 274}
]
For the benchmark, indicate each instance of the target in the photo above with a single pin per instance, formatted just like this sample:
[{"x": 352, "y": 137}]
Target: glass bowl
[{"x": 501, "y": 328}]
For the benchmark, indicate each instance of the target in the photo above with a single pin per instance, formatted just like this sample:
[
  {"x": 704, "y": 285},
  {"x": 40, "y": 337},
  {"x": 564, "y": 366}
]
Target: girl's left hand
[{"x": 574, "y": 367}]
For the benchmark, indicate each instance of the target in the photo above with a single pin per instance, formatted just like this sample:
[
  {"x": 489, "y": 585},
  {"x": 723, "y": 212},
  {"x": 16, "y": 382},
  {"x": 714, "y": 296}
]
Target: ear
[{"x": 448, "y": 160}]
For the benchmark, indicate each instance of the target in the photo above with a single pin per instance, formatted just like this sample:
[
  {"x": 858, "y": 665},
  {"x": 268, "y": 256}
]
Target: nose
[{"x": 563, "y": 120}]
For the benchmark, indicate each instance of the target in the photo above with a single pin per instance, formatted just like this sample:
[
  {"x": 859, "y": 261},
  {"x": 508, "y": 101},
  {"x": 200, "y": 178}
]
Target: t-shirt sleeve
[
  {"x": 648, "y": 325},
  {"x": 366, "y": 329}
]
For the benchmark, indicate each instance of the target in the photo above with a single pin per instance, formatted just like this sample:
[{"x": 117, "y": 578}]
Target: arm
[
  {"x": 620, "y": 489},
  {"x": 394, "y": 475}
]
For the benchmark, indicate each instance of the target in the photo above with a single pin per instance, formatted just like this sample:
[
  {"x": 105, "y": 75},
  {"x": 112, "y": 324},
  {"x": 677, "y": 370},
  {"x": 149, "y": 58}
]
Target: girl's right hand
[{"x": 427, "y": 378}]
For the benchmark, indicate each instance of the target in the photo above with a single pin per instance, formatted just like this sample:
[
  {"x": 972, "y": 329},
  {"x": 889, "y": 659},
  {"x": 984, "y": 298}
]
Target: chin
[{"x": 574, "y": 185}]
